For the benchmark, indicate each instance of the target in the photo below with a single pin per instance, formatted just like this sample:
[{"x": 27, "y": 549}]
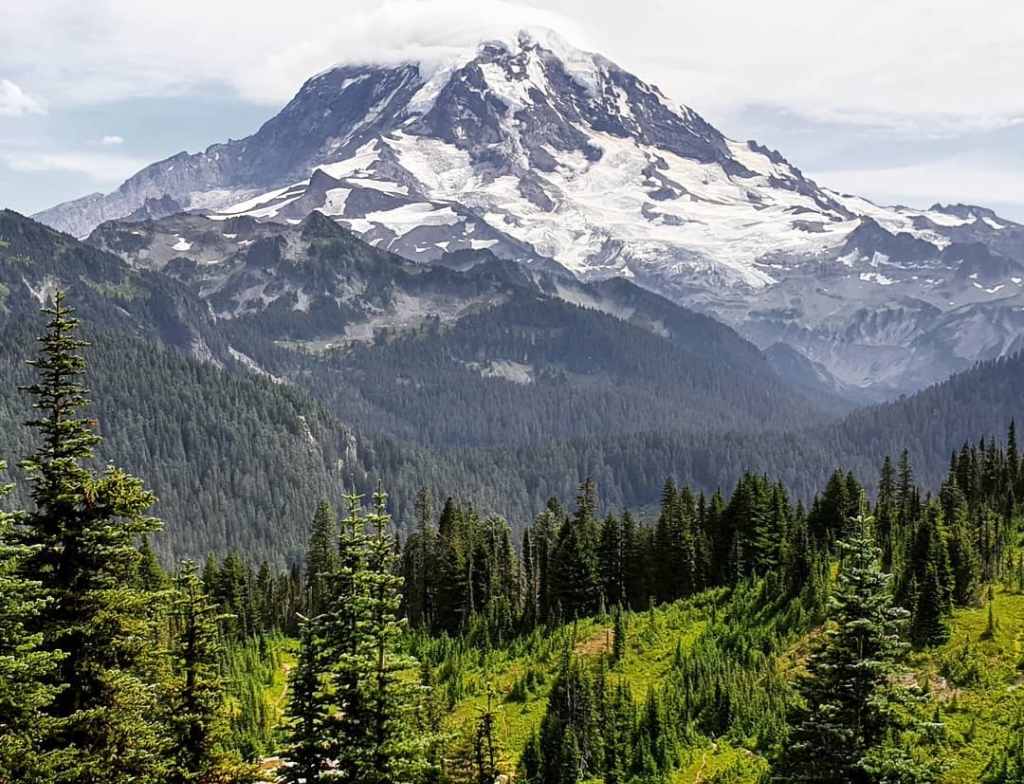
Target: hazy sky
[{"x": 898, "y": 100}]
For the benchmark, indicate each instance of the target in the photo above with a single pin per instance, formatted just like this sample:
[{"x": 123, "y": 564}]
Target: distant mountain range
[
  {"x": 561, "y": 160},
  {"x": 312, "y": 359}
]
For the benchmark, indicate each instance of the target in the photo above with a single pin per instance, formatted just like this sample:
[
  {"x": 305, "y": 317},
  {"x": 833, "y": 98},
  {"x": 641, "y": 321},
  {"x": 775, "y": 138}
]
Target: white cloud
[
  {"x": 14, "y": 101},
  {"x": 118, "y": 48},
  {"x": 920, "y": 62},
  {"x": 101, "y": 167},
  {"x": 956, "y": 179},
  {"x": 112, "y": 140}
]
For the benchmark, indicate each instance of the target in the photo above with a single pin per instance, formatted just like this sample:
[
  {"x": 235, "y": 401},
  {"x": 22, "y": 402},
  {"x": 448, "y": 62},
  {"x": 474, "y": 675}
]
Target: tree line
[{"x": 114, "y": 671}]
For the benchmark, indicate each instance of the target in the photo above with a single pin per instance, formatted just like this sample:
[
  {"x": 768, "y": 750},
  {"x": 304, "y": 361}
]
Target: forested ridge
[
  {"x": 521, "y": 398},
  {"x": 234, "y": 459},
  {"x": 734, "y": 636}
]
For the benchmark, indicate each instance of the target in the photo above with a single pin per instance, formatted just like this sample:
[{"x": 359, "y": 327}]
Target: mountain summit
[
  {"x": 559, "y": 158},
  {"x": 547, "y": 151}
]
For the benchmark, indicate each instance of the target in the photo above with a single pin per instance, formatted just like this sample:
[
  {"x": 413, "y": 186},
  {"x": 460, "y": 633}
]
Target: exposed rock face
[{"x": 557, "y": 158}]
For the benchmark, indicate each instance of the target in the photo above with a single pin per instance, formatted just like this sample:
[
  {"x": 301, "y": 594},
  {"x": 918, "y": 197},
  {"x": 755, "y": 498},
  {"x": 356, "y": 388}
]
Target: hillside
[
  {"x": 232, "y": 462},
  {"x": 503, "y": 385},
  {"x": 970, "y": 682}
]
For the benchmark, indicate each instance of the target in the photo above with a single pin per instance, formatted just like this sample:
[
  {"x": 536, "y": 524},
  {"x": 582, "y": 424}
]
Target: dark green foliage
[
  {"x": 83, "y": 533},
  {"x": 620, "y": 643},
  {"x": 196, "y": 710},
  {"x": 575, "y": 580},
  {"x": 27, "y": 670},
  {"x": 352, "y": 713},
  {"x": 929, "y": 582},
  {"x": 308, "y": 745},
  {"x": 234, "y": 461},
  {"x": 569, "y": 738},
  {"x": 321, "y": 557},
  {"x": 395, "y": 753},
  {"x": 847, "y": 711}
]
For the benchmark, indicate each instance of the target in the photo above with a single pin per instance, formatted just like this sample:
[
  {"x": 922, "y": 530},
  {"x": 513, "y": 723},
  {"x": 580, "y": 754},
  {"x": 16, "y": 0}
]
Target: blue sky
[{"x": 901, "y": 101}]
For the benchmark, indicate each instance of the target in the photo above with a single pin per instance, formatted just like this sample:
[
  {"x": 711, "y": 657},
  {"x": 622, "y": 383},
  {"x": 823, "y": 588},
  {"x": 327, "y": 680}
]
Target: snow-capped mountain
[{"x": 555, "y": 157}]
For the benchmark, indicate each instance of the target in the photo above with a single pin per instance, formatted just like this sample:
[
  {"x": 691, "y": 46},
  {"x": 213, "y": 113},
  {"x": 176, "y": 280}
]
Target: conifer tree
[
  {"x": 26, "y": 669},
  {"x": 885, "y": 512},
  {"x": 576, "y": 586},
  {"x": 1013, "y": 462},
  {"x": 151, "y": 576},
  {"x": 321, "y": 558},
  {"x": 230, "y": 591},
  {"x": 345, "y": 645},
  {"x": 453, "y": 568},
  {"x": 310, "y": 750},
  {"x": 531, "y": 763},
  {"x": 569, "y": 741},
  {"x": 370, "y": 732},
  {"x": 486, "y": 744},
  {"x": 965, "y": 563},
  {"x": 619, "y": 640},
  {"x": 930, "y": 583},
  {"x": 419, "y": 567},
  {"x": 612, "y": 567},
  {"x": 83, "y": 534},
  {"x": 908, "y": 499},
  {"x": 196, "y": 706},
  {"x": 391, "y": 702},
  {"x": 547, "y": 528},
  {"x": 847, "y": 713}
]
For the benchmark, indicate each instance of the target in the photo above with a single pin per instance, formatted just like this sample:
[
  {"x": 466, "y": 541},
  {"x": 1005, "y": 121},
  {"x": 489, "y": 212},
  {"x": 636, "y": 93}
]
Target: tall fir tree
[
  {"x": 321, "y": 558},
  {"x": 27, "y": 670},
  {"x": 885, "y": 512},
  {"x": 197, "y": 711},
  {"x": 310, "y": 751},
  {"x": 575, "y": 579},
  {"x": 344, "y": 646},
  {"x": 419, "y": 568},
  {"x": 395, "y": 749},
  {"x": 929, "y": 581},
  {"x": 847, "y": 713},
  {"x": 83, "y": 534},
  {"x": 569, "y": 741}
]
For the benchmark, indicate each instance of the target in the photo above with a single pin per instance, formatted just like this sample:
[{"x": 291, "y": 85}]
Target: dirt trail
[
  {"x": 701, "y": 769},
  {"x": 284, "y": 692},
  {"x": 704, "y": 764}
]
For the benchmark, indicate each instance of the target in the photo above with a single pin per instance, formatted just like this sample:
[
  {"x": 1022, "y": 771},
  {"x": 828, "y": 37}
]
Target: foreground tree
[
  {"x": 199, "y": 724},
  {"x": 354, "y": 709},
  {"x": 391, "y": 700},
  {"x": 309, "y": 749},
  {"x": 82, "y": 537},
  {"x": 26, "y": 670},
  {"x": 837, "y": 736}
]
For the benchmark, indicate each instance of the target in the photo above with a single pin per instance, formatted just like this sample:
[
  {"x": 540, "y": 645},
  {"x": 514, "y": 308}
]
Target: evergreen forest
[{"x": 865, "y": 630}]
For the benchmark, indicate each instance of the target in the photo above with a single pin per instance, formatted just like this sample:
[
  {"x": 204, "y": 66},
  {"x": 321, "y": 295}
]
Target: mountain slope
[
  {"x": 35, "y": 261},
  {"x": 448, "y": 349},
  {"x": 560, "y": 159}
]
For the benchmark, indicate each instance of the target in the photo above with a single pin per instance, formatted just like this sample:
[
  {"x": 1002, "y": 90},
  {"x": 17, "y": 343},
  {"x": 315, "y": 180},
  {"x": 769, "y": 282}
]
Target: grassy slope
[{"x": 975, "y": 682}]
